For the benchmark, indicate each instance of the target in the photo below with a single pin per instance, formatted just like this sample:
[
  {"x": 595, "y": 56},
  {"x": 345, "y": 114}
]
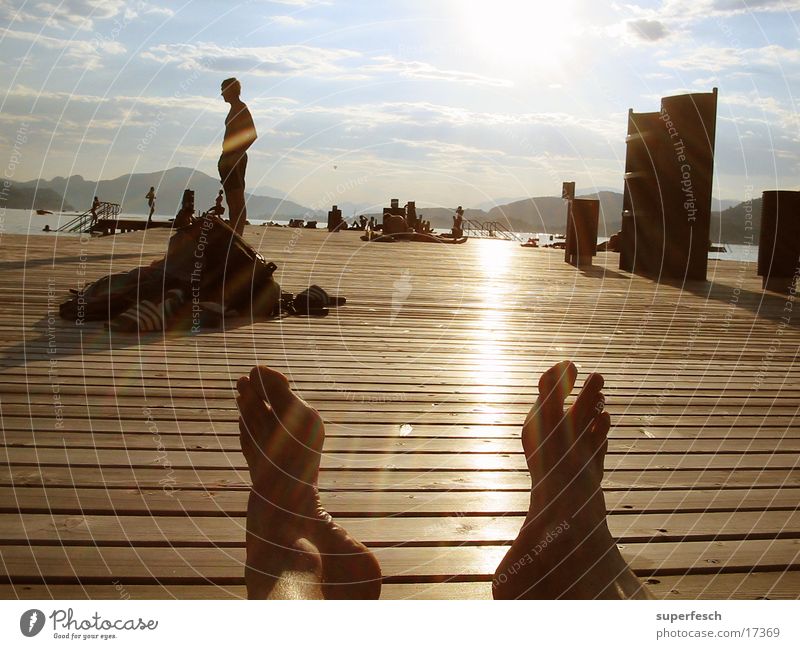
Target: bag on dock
[{"x": 220, "y": 266}]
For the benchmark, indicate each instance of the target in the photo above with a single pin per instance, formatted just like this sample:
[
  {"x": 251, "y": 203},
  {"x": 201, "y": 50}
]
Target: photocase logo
[
  {"x": 402, "y": 289},
  {"x": 31, "y": 622}
]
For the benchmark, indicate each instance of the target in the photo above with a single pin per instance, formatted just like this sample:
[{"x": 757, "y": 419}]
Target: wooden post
[
  {"x": 666, "y": 205},
  {"x": 335, "y": 220},
  {"x": 779, "y": 241},
  {"x": 583, "y": 215}
]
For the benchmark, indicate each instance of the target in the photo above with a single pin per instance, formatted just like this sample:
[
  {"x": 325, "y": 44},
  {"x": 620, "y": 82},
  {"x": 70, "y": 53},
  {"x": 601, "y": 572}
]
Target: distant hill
[
  {"x": 129, "y": 190},
  {"x": 729, "y": 225},
  {"x": 23, "y": 197},
  {"x": 549, "y": 213}
]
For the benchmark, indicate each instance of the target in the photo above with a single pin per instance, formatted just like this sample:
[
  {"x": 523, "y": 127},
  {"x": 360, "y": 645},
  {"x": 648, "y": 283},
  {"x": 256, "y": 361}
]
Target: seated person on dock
[
  {"x": 394, "y": 224},
  {"x": 218, "y": 210},
  {"x": 296, "y": 551}
]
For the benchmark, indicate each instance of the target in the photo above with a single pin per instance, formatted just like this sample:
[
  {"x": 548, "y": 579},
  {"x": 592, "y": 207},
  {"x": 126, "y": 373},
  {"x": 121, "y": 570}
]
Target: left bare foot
[{"x": 282, "y": 439}]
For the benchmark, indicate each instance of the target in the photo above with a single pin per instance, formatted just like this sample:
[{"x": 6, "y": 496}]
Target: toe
[
  {"x": 255, "y": 421},
  {"x": 554, "y": 386},
  {"x": 271, "y": 386},
  {"x": 588, "y": 405},
  {"x": 599, "y": 435},
  {"x": 547, "y": 413},
  {"x": 559, "y": 378}
]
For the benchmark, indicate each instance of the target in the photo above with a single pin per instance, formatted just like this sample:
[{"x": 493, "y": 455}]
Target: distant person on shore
[
  {"x": 458, "y": 223},
  {"x": 240, "y": 133},
  {"x": 372, "y": 223},
  {"x": 218, "y": 210},
  {"x": 363, "y": 221},
  {"x": 151, "y": 203},
  {"x": 93, "y": 208}
]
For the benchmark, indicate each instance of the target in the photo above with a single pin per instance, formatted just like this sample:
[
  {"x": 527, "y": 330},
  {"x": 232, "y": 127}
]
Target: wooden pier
[
  {"x": 121, "y": 475},
  {"x": 123, "y": 226}
]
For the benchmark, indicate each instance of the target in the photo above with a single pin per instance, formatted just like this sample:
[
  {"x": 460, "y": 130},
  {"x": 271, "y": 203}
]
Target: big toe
[
  {"x": 271, "y": 386},
  {"x": 255, "y": 421},
  {"x": 554, "y": 386},
  {"x": 299, "y": 423}
]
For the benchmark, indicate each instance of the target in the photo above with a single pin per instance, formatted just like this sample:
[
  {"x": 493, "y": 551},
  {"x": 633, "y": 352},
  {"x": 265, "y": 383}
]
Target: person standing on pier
[
  {"x": 151, "y": 203},
  {"x": 93, "y": 208},
  {"x": 240, "y": 133},
  {"x": 458, "y": 223}
]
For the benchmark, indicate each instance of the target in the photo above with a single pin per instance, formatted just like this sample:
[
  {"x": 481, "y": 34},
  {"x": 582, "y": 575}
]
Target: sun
[{"x": 528, "y": 34}]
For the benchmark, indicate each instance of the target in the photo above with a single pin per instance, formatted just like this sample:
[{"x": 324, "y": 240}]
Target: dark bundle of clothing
[{"x": 209, "y": 272}]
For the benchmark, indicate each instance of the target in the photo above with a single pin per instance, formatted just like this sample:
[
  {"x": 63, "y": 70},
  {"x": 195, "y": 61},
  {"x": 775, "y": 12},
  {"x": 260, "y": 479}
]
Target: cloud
[
  {"x": 299, "y": 3},
  {"x": 683, "y": 11},
  {"x": 674, "y": 17},
  {"x": 303, "y": 60},
  {"x": 647, "y": 30},
  {"x": 79, "y": 52},
  {"x": 76, "y": 14},
  {"x": 286, "y": 21},
  {"x": 717, "y": 59},
  {"x": 79, "y": 15},
  {"x": 277, "y": 60},
  {"x": 766, "y": 110},
  {"x": 420, "y": 70}
]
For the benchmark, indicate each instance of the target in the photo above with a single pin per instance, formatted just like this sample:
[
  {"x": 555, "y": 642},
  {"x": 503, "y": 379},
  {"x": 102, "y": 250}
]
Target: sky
[{"x": 440, "y": 101}]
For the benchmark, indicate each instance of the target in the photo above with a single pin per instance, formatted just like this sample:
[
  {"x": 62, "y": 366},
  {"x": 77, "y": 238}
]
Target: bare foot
[
  {"x": 288, "y": 531},
  {"x": 564, "y": 549}
]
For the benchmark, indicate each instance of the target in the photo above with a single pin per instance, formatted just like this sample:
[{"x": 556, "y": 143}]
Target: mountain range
[
  {"x": 537, "y": 214},
  {"x": 129, "y": 191}
]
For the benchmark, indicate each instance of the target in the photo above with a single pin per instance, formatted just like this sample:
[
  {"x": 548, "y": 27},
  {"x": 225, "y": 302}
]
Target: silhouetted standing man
[
  {"x": 240, "y": 133},
  {"x": 151, "y": 203},
  {"x": 93, "y": 209}
]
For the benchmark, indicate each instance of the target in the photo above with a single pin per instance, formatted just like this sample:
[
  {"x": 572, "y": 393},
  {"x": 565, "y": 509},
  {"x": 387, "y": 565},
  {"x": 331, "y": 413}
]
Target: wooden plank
[
  {"x": 132, "y": 502},
  {"x": 230, "y": 426},
  {"x": 376, "y": 461},
  {"x": 171, "y": 478},
  {"x": 177, "y": 441},
  {"x": 103, "y": 565},
  {"x": 417, "y": 531},
  {"x": 735, "y": 586}
]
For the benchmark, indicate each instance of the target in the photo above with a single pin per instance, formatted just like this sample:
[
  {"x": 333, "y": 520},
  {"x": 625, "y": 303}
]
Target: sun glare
[{"x": 516, "y": 32}]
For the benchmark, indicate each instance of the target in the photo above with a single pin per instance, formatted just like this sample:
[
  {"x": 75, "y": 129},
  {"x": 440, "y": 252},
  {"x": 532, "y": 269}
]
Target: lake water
[{"x": 29, "y": 222}]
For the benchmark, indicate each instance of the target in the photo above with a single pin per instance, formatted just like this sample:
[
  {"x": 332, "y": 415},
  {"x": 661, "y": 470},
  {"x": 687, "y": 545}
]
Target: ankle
[{"x": 276, "y": 512}]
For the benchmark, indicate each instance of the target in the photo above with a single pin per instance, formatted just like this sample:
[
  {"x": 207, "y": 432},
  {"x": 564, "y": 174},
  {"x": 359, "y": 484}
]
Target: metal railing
[
  {"x": 489, "y": 230},
  {"x": 84, "y": 222}
]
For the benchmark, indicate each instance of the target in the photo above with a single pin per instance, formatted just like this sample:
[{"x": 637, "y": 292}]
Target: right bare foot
[
  {"x": 564, "y": 549},
  {"x": 287, "y": 527}
]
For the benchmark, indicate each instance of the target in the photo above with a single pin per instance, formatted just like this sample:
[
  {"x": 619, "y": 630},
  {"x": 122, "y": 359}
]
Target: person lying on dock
[{"x": 295, "y": 550}]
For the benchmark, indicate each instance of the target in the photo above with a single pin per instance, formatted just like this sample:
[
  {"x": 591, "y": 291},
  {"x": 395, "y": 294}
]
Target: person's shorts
[{"x": 231, "y": 171}]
